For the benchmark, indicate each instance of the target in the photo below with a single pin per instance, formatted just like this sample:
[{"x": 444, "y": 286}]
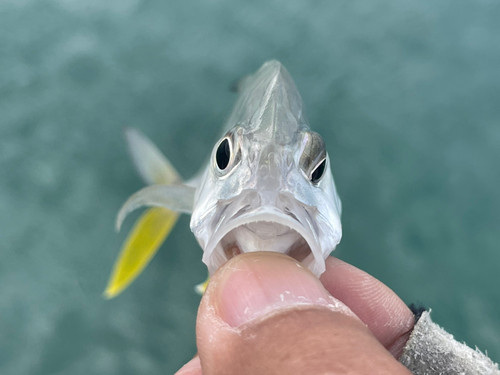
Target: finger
[
  {"x": 193, "y": 367},
  {"x": 264, "y": 313},
  {"x": 385, "y": 314}
]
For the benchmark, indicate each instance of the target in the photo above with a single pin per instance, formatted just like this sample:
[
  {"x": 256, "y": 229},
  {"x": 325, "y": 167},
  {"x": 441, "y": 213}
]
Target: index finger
[{"x": 385, "y": 314}]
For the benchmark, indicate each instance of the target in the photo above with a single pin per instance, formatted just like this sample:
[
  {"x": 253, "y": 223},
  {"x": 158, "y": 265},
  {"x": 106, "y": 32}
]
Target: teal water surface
[{"x": 406, "y": 95}]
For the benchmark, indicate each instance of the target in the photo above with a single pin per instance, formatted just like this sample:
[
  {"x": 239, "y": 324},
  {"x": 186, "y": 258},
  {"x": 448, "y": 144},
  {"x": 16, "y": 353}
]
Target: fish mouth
[{"x": 285, "y": 227}]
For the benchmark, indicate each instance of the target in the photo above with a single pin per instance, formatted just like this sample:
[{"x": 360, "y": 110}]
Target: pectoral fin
[
  {"x": 177, "y": 198},
  {"x": 151, "y": 164},
  {"x": 141, "y": 245}
]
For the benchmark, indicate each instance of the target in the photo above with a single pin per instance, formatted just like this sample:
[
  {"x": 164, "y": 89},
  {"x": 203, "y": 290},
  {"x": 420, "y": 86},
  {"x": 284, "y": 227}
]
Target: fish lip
[{"x": 268, "y": 213}]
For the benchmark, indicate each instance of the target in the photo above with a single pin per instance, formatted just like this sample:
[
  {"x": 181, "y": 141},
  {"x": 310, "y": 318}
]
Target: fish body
[{"x": 267, "y": 185}]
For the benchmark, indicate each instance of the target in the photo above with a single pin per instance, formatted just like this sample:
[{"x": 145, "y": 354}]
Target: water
[{"x": 405, "y": 94}]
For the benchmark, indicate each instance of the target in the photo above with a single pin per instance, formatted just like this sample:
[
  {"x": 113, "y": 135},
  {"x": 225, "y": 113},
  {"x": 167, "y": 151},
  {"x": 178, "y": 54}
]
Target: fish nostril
[
  {"x": 241, "y": 211},
  {"x": 288, "y": 212},
  {"x": 284, "y": 203}
]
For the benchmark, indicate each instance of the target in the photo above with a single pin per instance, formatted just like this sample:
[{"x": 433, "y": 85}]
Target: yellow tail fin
[{"x": 144, "y": 240}]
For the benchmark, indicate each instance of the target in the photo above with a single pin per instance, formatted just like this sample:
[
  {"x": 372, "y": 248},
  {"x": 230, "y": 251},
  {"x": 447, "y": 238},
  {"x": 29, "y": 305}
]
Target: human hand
[{"x": 264, "y": 313}]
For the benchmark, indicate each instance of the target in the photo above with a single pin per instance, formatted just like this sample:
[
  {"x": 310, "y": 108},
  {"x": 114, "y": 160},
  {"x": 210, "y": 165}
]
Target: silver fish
[{"x": 267, "y": 184}]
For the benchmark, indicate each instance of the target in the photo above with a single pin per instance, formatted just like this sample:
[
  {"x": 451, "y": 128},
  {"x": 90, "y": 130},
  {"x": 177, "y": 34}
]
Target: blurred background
[{"x": 405, "y": 93}]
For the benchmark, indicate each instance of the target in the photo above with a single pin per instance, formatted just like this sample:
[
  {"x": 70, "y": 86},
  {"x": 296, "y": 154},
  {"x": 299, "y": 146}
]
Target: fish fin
[
  {"x": 201, "y": 288},
  {"x": 151, "y": 164},
  {"x": 144, "y": 240},
  {"x": 177, "y": 198}
]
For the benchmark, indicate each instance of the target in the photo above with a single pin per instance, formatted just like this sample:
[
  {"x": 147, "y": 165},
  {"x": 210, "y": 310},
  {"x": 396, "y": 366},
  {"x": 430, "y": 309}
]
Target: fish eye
[
  {"x": 318, "y": 172},
  {"x": 223, "y": 154},
  {"x": 313, "y": 157}
]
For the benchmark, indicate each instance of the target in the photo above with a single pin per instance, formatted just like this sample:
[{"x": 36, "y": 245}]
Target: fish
[{"x": 267, "y": 186}]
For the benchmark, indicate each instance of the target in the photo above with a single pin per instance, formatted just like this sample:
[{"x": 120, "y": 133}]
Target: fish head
[{"x": 268, "y": 185}]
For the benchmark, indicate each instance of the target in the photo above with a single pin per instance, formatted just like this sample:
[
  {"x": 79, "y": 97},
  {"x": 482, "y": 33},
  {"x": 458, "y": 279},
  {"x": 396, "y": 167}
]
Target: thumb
[{"x": 264, "y": 313}]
